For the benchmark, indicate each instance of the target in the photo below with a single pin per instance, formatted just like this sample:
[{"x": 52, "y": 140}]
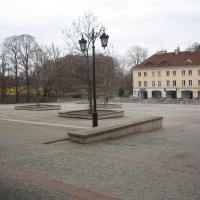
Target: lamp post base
[{"x": 95, "y": 119}]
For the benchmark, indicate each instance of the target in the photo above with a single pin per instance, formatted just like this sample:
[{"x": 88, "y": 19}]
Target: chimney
[{"x": 177, "y": 50}]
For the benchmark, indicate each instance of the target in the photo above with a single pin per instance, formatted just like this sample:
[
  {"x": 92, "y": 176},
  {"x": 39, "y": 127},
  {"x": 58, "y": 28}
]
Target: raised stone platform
[
  {"x": 41, "y": 107},
  {"x": 111, "y": 132},
  {"x": 84, "y": 114}
]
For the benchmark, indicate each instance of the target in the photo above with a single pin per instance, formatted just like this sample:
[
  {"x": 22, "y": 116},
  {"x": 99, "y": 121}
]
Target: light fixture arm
[{"x": 93, "y": 35}]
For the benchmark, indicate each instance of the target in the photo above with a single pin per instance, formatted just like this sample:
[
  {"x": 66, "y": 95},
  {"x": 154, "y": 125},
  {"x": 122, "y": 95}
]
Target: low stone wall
[
  {"x": 41, "y": 107},
  {"x": 84, "y": 114},
  {"x": 175, "y": 101},
  {"x": 111, "y": 132}
]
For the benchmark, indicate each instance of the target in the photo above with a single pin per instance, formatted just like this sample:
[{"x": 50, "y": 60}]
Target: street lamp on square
[{"x": 104, "y": 41}]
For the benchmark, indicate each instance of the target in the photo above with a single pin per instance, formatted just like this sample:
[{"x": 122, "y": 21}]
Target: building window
[
  {"x": 139, "y": 83},
  {"x": 198, "y": 82},
  {"x": 190, "y": 82},
  {"x": 183, "y": 72},
  {"x": 145, "y": 73},
  {"x": 139, "y": 73},
  {"x": 174, "y": 83},
  {"x": 168, "y": 83},
  {"x": 153, "y": 83},
  {"x": 167, "y": 73},
  {"x": 189, "y": 72},
  {"x": 174, "y": 73},
  {"x": 159, "y": 73},
  {"x": 153, "y": 73},
  {"x": 159, "y": 83},
  {"x": 183, "y": 82},
  {"x": 198, "y": 72},
  {"x": 145, "y": 83}
]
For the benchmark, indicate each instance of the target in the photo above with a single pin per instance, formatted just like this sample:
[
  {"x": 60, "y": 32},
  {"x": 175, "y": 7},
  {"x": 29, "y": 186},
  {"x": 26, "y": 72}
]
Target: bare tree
[
  {"x": 36, "y": 73},
  {"x": 82, "y": 68},
  {"x": 121, "y": 66},
  {"x": 72, "y": 36},
  {"x": 26, "y": 51},
  {"x": 135, "y": 55},
  {"x": 51, "y": 72},
  {"x": 12, "y": 46},
  {"x": 123, "y": 75},
  {"x": 34, "y": 65}
]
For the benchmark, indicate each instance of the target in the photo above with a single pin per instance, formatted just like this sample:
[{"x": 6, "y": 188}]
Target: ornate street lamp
[
  {"x": 104, "y": 41},
  {"x": 83, "y": 43}
]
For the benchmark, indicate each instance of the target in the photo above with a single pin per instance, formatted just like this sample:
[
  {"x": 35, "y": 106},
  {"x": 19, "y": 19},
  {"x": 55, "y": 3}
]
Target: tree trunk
[
  {"x": 17, "y": 92},
  {"x": 90, "y": 103},
  {"x": 37, "y": 98},
  {"x": 28, "y": 93},
  {"x": 44, "y": 94},
  {"x": 2, "y": 88},
  {"x": 2, "y": 94}
]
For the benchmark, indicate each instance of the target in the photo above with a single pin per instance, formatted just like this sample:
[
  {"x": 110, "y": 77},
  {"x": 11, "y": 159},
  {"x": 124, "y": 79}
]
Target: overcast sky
[{"x": 153, "y": 24}]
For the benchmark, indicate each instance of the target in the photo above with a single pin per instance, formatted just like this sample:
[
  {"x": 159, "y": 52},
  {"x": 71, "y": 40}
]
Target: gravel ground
[{"x": 161, "y": 164}]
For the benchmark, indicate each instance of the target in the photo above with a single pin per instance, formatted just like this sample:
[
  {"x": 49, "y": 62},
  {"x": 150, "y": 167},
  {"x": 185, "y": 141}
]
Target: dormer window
[
  {"x": 149, "y": 64},
  {"x": 164, "y": 63},
  {"x": 188, "y": 61}
]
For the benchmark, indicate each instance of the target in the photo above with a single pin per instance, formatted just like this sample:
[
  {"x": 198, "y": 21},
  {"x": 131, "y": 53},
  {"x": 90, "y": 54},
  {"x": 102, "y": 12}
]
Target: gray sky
[{"x": 153, "y": 24}]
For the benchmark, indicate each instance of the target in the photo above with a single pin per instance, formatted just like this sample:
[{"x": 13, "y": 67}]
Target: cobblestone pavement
[{"x": 161, "y": 164}]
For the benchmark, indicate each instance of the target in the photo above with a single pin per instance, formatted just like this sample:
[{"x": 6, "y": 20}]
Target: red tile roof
[{"x": 172, "y": 59}]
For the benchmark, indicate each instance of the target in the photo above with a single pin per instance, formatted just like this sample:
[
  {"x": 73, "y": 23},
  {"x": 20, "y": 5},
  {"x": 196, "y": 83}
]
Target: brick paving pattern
[{"x": 38, "y": 162}]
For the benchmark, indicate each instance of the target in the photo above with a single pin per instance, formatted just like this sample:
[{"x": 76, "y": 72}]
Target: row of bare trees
[
  {"x": 37, "y": 66},
  {"x": 25, "y": 60}
]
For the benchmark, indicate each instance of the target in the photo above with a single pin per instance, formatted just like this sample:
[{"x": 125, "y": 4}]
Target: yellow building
[{"x": 168, "y": 75}]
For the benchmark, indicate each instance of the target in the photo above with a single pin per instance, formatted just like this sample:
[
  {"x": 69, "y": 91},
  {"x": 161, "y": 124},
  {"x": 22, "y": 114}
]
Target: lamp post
[{"x": 104, "y": 41}]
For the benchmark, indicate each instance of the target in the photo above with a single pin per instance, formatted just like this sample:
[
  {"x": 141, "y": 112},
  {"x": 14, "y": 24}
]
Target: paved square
[{"x": 161, "y": 164}]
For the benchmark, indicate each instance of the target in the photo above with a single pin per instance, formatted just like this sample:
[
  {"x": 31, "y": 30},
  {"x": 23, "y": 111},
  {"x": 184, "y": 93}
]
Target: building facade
[{"x": 168, "y": 75}]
